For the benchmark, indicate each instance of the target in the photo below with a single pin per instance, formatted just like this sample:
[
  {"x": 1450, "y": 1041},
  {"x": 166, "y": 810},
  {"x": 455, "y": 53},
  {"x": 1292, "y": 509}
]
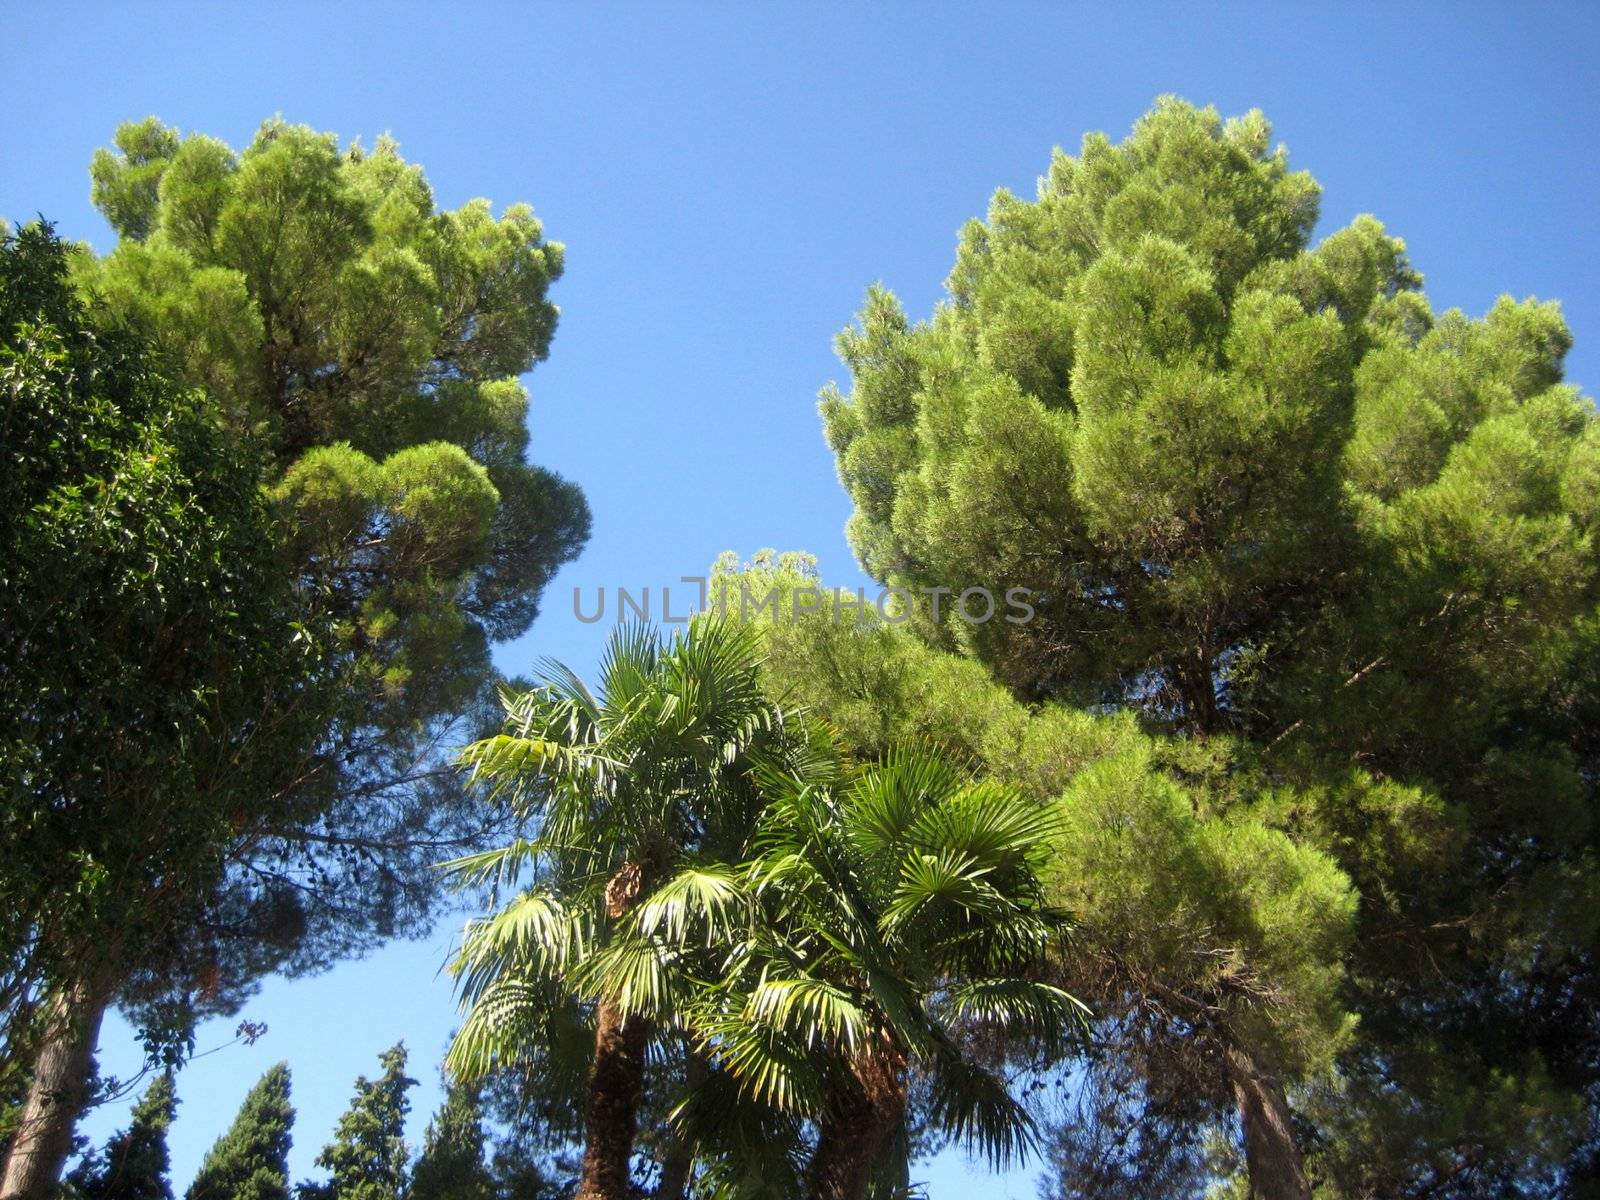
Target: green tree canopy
[
  {"x": 361, "y": 349},
  {"x": 453, "y": 1164},
  {"x": 1335, "y": 548},
  {"x": 251, "y": 1160},
  {"x": 370, "y": 345},
  {"x": 147, "y": 628},
  {"x": 627, "y": 787},
  {"x": 897, "y": 928},
  {"x": 368, "y": 1158},
  {"x": 1196, "y": 925}
]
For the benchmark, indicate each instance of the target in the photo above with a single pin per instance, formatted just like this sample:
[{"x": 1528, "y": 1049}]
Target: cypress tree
[
  {"x": 251, "y": 1160},
  {"x": 134, "y": 1163},
  {"x": 367, "y": 1158},
  {"x": 453, "y": 1165}
]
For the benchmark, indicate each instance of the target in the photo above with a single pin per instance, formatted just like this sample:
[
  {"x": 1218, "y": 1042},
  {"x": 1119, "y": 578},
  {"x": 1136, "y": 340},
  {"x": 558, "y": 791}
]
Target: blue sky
[{"x": 727, "y": 181}]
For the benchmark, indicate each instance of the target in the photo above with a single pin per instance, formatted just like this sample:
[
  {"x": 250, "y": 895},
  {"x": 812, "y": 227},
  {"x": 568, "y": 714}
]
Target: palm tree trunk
[
  {"x": 857, "y": 1127},
  {"x": 1271, "y": 1156},
  {"x": 57, "y": 1093},
  {"x": 615, "y": 1085},
  {"x": 616, "y": 1080}
]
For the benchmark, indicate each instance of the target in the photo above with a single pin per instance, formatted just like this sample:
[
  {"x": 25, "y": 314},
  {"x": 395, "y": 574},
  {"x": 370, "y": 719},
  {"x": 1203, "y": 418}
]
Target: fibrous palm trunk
[
  {"x": 1272, "y": 1159},
  {"x": 616, "y": 1079},
  {"x": 615, "y": 1084},
  {"x": 853, "y": 1134},
  {"x": 57, "y": 1092}
]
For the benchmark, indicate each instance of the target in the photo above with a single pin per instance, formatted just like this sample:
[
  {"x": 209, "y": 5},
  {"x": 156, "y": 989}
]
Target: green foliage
[
  {"x": 133, "y": 1165},
  {"x": 1190, "y": 906},
  {"x": 371, "y": 344},
  {"x": 453, "y": 1165},
  {"x": 145, "y": 624},
  {"x": 780, "y": 926},
  {"x": 367, "y": 1158},
  {"x": 363, "y": 347},
  {"x": 126, "y": 184},
  {"x": 250, "y": 1161},
  {"x": 1247, "y": 926},
  {"x": 638, "y": 794},
  {"x": 532, "y": 1145},
  {"x": 1336, "y": 553},
  {"x": 895, "y": 913},
  {"x": 338, "y": 317},
  {"x": 430, "y": 508},
  {"x": 647, "y": 770}
]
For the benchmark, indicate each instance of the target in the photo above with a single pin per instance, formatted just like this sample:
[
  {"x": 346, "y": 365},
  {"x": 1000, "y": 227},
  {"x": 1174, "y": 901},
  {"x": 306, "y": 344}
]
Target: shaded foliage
[
  {"x": 133, "y": 1164},
  {"x": 367, "y": 1159}
]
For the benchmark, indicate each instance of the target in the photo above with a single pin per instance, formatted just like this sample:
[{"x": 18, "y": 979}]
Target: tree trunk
[
  {"x": 56, "y": 1095},
  {"x": 615, "y": 1085},
  {"x": 1270, "y": 1154},
  {"x": 616, "y": 1079},
  {"x": 858, "y": 1125},
  {"x": 675, "y": 1167},
  {"x": 678, "y": 1161}
]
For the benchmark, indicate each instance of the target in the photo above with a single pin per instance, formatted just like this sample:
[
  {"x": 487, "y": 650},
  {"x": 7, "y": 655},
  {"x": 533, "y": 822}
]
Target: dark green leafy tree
[
  {"x": 1334, "y": 551},
  {"x": 454, "y": 1163},
  {"x": 251, "y": 1160},
  {"x": 365, "y": 347},
  {"x": 535, "y": 1121},
  {"x": 133, "y": 1165},
  {"x": 147, "y": 630},
  {"x": 367, "y": 1158},
  {"x": 1114, "y": 1135}
]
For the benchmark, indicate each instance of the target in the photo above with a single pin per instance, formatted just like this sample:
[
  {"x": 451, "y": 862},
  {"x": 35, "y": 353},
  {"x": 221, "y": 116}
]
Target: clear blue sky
[{"x": 728, "y": 180}]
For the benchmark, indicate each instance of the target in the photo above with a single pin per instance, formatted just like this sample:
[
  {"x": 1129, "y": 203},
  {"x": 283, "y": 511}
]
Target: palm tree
[
  {"x": 646, "y": 781},
  {"x": 897, "y": 923}
]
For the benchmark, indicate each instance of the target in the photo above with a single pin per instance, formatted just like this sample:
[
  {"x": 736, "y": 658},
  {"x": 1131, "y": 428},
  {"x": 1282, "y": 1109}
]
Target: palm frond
[
  {"x": 494, "y": 868},
  {"x": 975, "y": 1105},
  {"x": 950, "y": 880},
  {"x": 815, "y": 1011},
  {"x": 642, "y": 976},
  {"x": 704, "y": 904},
  {"x": 993, "y": 823},
  {"x": 508, "y": 1017},
  {"x": 628, "y": 663},
  {"x": 536, "y": 935},
  {"x": 1027, "y": 1007},
  {"x": 771, "y": 1066}
]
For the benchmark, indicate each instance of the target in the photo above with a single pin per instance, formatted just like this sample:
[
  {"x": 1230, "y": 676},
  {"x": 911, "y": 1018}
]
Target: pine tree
[
  {"x": 367, "y": 1158},
  {"x": 251, "y": 1160},
  {"x": 1333, "y": 552},
  {"x": 1206, "y": 907},
  {"x": 363, "y": 349},
  {"x": 453, "y": 1165},
  {"x": 369, "y": 345},
  {"x": 133, "y": 1165}
]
